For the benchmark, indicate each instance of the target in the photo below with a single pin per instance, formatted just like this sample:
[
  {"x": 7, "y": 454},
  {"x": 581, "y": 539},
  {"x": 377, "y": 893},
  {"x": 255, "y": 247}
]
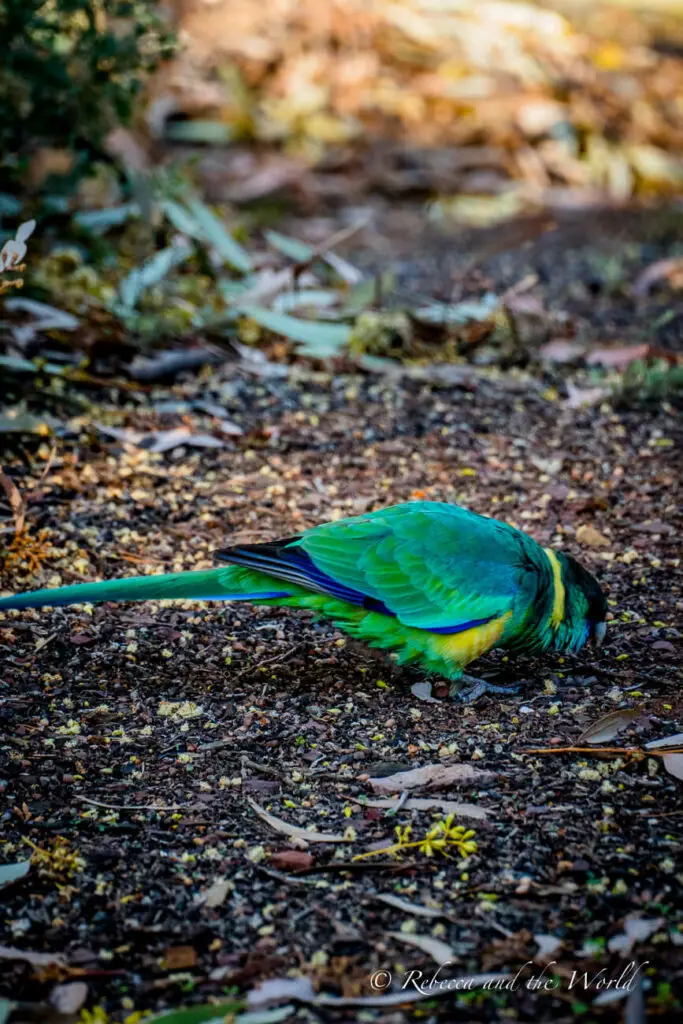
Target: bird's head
[{"x": 585, "y": 607}]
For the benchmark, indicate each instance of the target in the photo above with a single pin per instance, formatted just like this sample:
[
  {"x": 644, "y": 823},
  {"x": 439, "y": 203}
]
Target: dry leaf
[
  {"x": 621, "y": 356},
  {"x": 35, "y": 959},
  {"x": 294, "y": 830},
  {"x": 561, "y": 350},
  {"x": 431, "y": 776},
  {"x": 291, "y": 860},
  {"x": 670, "y": 270},
  {"x": 416, "y": 803},
  {"x": 440, "y": 952},
  {"x": 591, "y": 538},
  {"x": 636, "y": 929},
  {"x": 607, "y": 727},
  {"x": 16, "y": 502},
  {"x": 668, "y": 741},
  {"x": 179, "y": 958},
  {"x": 217, "y": 893},
  {"x": 414, "y": 909},
  {"x": 280, "y": 990},
  {"x": 548, "y": 945},
  {"x": 423, "y": 691},
  {"x": 674, "y": 765},
  {"x": 69, "y": 998},
  {"x": 577, "y": 398}
]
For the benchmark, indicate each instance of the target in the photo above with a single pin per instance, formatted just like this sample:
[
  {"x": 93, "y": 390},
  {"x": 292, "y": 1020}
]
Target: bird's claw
[{"x": 477, "y": 689}]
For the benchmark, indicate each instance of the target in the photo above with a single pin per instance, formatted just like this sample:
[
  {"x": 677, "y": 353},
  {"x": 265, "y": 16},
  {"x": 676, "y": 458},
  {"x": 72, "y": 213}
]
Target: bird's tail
[{"x": 232, "y": 583}]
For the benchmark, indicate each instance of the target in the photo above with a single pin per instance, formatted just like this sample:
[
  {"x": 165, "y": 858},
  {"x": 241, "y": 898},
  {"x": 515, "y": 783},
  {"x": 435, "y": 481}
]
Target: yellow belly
[{"x": 462, "y": 648}]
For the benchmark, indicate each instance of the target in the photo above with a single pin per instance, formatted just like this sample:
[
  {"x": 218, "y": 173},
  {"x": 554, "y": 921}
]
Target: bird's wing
[{"x": 433, "y": 566}]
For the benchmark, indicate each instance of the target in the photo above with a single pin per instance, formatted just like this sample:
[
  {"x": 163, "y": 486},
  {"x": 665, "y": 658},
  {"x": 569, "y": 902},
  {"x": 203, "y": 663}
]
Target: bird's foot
[{"x": 477, "y": 688}]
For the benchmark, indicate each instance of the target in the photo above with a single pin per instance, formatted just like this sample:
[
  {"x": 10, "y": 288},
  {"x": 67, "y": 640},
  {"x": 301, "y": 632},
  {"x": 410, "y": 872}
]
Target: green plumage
[{"x": 434, "y": 582}]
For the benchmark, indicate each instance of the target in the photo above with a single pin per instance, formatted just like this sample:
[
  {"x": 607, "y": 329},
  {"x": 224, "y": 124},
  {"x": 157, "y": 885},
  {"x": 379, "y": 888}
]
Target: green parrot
[{"x": 435, "y": 583}]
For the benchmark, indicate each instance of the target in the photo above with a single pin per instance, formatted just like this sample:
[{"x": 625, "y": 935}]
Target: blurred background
[{"x": 418, "y": 181}]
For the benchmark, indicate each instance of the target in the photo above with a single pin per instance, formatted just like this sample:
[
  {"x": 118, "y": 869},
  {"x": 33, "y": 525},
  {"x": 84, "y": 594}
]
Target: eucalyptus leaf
[
  {"x": 214, "y": 231},
  {"x": 320, "y": 340},
  {"x": 458, "y": 312},
  {"x": 99, "y": 221},
  {"x": 317, "y": 297},
  {"x": 197, "y": 1014},
  {"x": 11, "y": 872},
  {"x": 290, "y": 247},
  {"x": 215, "y": 133},
  {"x": 151, "y": 273},
  {"x": 6, "y": 1008}
]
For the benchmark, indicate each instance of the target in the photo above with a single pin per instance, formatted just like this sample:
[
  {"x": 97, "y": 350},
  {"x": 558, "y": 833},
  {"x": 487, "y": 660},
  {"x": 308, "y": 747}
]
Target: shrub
[{"x": 70, "y": 71}]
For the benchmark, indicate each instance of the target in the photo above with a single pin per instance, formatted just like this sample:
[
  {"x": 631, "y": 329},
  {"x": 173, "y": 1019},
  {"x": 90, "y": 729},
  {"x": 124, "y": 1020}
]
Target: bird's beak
[{"x": 599, "y": 634}]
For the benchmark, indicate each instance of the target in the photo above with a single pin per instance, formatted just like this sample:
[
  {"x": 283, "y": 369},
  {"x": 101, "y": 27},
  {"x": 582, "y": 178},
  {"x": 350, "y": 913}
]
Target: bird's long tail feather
[{"x": 231, "y": 583}]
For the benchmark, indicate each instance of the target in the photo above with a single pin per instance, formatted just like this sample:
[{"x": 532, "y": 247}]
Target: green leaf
[
  {"x": 291, "y": 247},
  {"x": 10, "y": 872},
  {"x": 367, "y": 292},
  {"x": 25, "y": 423},
  {"x": 150, "y": 273},
  {"x": 274, "y": 1016},
  {"x": 320, "y": 340},
  {"x": 214, "y": 231},
  {"x": 15, "y": 364},
  {"x": 99, "y": 221},
  {"x": 214, "y": 132},
  {"x": 459, "y": 312},
  {"x": 197, "y": 1014},
  {"x": 306, "y": 297},
  {"x": 6, "y": 1008}
]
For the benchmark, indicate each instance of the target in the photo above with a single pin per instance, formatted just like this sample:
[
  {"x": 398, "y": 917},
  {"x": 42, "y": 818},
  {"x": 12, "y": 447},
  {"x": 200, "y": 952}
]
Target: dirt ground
[{"x": 143, "y": 733}]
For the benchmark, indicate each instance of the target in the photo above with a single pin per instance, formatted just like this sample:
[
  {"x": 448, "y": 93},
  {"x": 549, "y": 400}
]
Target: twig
[
  {"x": 263, "y": 768},
  {"x": 282, "y": 877},
  {"x": 135, "y": 807}
]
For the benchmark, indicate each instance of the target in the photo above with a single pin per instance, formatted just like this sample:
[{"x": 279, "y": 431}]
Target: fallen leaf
[
  {"x": 167, "y": 440},
  {"x": 167, "y": 365},
  {"x": 621, "y": 356},
  {"x": 178, "y": 958},
  {"x": 673, "y": 763},
  {"x": 636, "y": 929},
  {"x": 321, "y": 340},
  {"x": 414, "y": 909},
  {"x": 16, "y": 502},
  {"x": 423, "y": 691},
  {"x": 577, "y": 398},
  {"x": 35, "y": 959},
  {"x": 431, "y": 776},
  {"x": 278, "y": 990},
  {"x": 561, "y": 350},
  {"x": 11, "y": 872},
  {"x": 548, "y": 945},
  {"x": 590, "y": 537},
  {"x": 440, "y": 952},
  {"x": 661, "y": 270},
  {"x": 416, "y": 803},
  {"x": 6, "y": 1009},
  {"x": 609, "y": 726},
  {"x": 69, "y": 998},
  {"x": 217, "y": 893},
  {"x": 217, "y": 1012},
  {"x": 291, "y": 860},
  {"x": 294, "y": 830},
  {"x": 667, "y": 741}
]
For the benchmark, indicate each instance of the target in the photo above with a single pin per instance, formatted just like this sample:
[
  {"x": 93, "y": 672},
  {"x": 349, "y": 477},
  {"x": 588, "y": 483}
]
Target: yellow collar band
[{"x": 557, "y": 613}]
